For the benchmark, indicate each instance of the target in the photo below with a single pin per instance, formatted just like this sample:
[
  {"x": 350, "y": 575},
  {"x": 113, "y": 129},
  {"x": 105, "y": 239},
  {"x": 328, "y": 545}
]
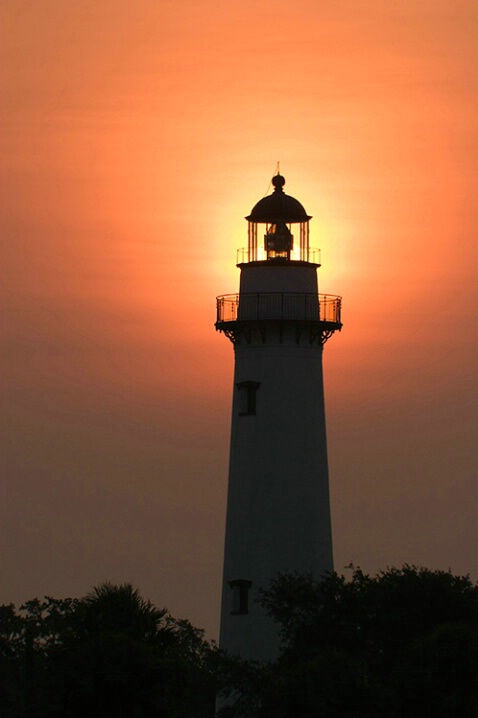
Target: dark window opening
[
  {"x": 240, "y": 596},
  {"x": 248, "y": 398}
]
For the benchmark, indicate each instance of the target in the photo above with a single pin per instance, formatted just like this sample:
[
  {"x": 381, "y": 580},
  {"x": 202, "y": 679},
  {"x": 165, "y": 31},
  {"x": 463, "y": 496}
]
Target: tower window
[
  {"x": 247, "y": 396},
  {"x": 240, "y": 596}
]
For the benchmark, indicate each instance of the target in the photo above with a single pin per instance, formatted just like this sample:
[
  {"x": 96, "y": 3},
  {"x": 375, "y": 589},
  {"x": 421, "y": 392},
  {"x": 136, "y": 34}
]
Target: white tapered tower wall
[{"x": 278, "y": 513}]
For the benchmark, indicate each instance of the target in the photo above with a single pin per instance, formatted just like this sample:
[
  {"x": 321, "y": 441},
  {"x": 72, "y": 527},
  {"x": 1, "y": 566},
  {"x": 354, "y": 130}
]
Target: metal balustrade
[
  {"x": 271, "y": 306},
  {"x": 245, "y": 255}
]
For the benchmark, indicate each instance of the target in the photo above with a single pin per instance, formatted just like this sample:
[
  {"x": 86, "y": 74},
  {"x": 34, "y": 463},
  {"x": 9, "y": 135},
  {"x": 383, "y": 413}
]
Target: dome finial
[{"x": 278, "y": 181}]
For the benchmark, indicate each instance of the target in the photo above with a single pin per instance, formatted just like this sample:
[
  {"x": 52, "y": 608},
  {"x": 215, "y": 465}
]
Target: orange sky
[{"x": 135, "y": 138}]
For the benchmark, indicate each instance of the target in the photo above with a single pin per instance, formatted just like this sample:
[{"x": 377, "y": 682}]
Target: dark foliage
[
  {"x": 404, "y": 642},
  {"x": 109, "y": 654}
]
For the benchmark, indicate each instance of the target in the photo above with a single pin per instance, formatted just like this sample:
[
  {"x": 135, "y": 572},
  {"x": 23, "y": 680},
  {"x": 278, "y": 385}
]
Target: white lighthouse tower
[{"x": 278, "y": 512}]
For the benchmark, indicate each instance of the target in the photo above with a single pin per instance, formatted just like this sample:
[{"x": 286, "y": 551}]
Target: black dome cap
[{"x": 278, "y": 207}]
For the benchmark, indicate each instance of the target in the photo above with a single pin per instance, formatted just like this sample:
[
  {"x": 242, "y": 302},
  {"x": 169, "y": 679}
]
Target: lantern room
[{"x": 278, "y": 212}]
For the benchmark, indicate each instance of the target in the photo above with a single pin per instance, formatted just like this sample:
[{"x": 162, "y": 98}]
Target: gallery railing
[{"x": 271, "y": 306}]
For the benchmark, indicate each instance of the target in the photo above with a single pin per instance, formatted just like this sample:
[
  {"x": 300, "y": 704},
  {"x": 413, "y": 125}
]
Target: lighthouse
[{"x": 278, "y": 509}]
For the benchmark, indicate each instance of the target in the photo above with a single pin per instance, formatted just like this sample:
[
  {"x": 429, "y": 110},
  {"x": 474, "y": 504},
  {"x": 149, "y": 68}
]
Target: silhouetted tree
[
  {"x": 404, "y": 642},
  {"x": 110, "y": 654},
  {"x": 27, "y": 640}
]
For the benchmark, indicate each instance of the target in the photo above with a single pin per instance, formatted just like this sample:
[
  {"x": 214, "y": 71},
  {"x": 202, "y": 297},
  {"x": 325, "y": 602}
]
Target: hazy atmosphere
[{"x": 135, "y": 138}]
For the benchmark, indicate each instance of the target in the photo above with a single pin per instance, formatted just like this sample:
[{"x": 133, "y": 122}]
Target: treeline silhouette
[
  {"x": 111, "y": 653},
  {"x": 403, "y": 642}
]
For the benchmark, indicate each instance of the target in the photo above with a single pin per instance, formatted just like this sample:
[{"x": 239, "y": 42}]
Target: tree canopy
[
  {"x": 111, "y": 653},
  {"x": 403, "y": 642}
]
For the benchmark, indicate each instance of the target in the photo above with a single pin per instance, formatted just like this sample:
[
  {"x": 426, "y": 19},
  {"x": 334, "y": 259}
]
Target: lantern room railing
[
  {"x": 271, "y": 306},
  {"x": 245, "y": 255}
]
